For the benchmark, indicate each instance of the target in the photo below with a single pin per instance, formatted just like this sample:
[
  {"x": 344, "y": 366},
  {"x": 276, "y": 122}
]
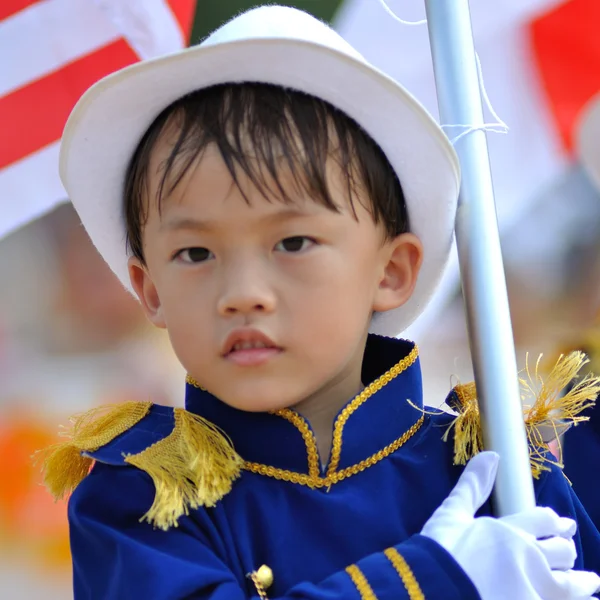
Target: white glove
[{"x": 527, "y": 556}]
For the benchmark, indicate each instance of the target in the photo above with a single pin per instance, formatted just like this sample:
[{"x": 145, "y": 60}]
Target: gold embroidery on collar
[
  {"x": 408, "y": 577},
  {"x": 313, "y": 478},
  {"x": 307, "y": 435},
  {"x": 320, "y": 482},
  {"x": 367, "y": 393},
  {"x": 189, "y": 379},
  {"x": 360, "y": 581}
]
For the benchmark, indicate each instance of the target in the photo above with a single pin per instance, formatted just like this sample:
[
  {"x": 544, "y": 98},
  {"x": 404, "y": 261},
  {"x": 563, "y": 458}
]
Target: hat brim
[
  {"x": 587, "y": 139},
  {"x": 107, "y": 124}
]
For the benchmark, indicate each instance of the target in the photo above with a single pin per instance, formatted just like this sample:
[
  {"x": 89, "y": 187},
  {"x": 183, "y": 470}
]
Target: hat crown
[{"x": 280, "y": 22}]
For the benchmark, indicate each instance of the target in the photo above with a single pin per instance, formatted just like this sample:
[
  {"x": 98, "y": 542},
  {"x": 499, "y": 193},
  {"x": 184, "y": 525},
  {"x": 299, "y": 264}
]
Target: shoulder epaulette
[
  {"x": 191, "y": 462},
  {"x": 547, "y": 411}
]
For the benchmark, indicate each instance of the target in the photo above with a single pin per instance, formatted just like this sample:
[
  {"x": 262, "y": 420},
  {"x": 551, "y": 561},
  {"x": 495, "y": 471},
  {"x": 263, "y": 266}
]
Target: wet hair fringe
[{"x": 262, "y": 132}]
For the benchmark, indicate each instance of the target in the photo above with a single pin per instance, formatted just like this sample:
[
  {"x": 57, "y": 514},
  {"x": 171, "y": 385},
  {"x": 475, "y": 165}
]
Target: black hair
[{"x": 258, "y": 128}]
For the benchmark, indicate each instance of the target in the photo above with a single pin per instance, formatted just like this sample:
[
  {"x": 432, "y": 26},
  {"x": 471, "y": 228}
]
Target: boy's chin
[
  {"x": 254, "y": 406},
  {"x": 257, "y": 399}
]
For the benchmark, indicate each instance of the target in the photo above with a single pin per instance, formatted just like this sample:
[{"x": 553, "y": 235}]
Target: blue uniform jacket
[
  {"x": 347, "y": 530},
  {"x": 581, "y": 458}
]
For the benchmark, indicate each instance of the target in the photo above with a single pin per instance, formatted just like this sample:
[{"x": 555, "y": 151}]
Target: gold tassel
[
  {"x": 193, "y": 466},
  {"x": 548, "y": 410},
  {"x": 64, "y": 467},
  {"x": 468, "y": 440}
]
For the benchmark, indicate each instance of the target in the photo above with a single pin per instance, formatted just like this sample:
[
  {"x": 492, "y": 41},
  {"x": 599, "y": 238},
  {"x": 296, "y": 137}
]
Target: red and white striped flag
[
  {"x": 52, "y": 51},
  {"x": 541, "y": 65}
]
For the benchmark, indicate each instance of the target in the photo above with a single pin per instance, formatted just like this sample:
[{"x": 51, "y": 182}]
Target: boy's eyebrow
[
  {"x": 186, "y": 223},
  {"x": 190, "y": 224}
]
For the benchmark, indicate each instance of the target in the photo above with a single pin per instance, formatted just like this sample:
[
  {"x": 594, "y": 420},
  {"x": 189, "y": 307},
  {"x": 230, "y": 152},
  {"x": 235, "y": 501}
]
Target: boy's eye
[
  {"x": 194, "y": 255},
  {"x": 294, "y": 244}
]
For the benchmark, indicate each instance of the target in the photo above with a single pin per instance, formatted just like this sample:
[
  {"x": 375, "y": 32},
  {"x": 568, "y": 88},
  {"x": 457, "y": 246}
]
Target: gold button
[{"x": 265, "y": 576}]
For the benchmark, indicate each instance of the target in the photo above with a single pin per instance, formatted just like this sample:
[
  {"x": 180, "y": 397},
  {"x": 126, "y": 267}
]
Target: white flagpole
[{"x": 482, "y": 271}]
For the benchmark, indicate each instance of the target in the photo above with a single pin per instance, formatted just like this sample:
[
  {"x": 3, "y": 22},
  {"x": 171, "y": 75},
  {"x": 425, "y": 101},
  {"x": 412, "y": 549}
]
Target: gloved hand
[{"x": 527, "y": 556}]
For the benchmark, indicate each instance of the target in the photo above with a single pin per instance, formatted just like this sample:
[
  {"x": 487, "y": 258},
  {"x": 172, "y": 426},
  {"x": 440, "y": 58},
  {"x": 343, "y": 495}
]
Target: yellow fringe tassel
[
  {"x": 468, "y": 440},
  {"x": 193, "y": 466},
  {"x": 64, "y": 467},
  {"x": 547, "y": 409}
]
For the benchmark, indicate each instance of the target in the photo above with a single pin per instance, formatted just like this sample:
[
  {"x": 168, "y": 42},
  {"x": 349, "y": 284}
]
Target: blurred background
[{"x": 71, "y": 338}]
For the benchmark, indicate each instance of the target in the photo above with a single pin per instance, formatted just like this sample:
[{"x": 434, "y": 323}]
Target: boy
[{"x": 283, "y": 201}]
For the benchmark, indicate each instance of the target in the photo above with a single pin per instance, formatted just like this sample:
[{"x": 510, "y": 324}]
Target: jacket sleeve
[
  {"x": 556, "y": 492},
  {"x": 582, "y": 461},
  {"x": 117, "y": 557}
]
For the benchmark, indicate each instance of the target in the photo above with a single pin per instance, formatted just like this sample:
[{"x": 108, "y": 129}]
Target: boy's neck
[{"x": 322, "y": 408}]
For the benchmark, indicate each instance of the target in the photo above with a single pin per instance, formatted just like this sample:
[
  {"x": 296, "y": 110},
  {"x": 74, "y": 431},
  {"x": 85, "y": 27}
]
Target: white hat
[
  {"x": 587, "y": 139},
  {"x": 276, "y": 45}
]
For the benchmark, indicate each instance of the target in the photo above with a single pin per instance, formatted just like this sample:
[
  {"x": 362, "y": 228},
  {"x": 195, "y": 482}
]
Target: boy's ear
[
  {"x": 146, "y": 292},
  {"x": 402, "y": 257}
]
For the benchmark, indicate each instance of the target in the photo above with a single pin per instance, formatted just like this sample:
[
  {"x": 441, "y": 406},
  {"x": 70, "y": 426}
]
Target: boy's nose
[{"x": 246, "y": 297}]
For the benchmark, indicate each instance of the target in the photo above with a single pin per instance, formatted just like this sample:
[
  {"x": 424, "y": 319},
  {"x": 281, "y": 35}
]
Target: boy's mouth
[{"x": 249, "y": 347}]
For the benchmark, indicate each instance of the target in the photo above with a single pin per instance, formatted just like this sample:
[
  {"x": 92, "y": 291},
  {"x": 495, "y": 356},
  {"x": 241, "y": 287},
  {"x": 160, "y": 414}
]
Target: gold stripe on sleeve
[{"x": 361, "y": 583}]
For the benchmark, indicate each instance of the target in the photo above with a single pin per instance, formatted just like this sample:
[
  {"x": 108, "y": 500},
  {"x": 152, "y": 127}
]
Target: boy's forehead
[
  {"x": 275, "y": 214},
  {"x": 209, "y": 185}
]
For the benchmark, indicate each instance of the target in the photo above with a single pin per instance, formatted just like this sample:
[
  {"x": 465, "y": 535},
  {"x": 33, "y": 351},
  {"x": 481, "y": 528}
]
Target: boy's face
[{"x": 266, "y": 304}]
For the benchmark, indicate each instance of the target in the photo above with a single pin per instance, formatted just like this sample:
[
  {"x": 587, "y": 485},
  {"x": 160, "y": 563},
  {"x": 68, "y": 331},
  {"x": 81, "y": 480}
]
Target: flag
[
  {"x": 540, "y": 64},
  {"x": 53, "y": 50}
]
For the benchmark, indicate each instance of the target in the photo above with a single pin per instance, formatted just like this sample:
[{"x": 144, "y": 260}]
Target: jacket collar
[{"x": 369, "y": 427}]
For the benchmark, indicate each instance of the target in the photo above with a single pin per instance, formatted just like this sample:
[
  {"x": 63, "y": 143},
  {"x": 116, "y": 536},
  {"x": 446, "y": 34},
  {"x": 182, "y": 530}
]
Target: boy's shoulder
[
  {"x": 552, "y": 405},
  {"x": 190, "y": 461},
  {"x": 155, "y": 426}
]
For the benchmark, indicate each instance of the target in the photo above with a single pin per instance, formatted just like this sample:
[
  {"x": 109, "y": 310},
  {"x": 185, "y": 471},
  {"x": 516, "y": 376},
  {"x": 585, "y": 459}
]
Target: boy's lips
[{"x": 249, "y": 347}]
